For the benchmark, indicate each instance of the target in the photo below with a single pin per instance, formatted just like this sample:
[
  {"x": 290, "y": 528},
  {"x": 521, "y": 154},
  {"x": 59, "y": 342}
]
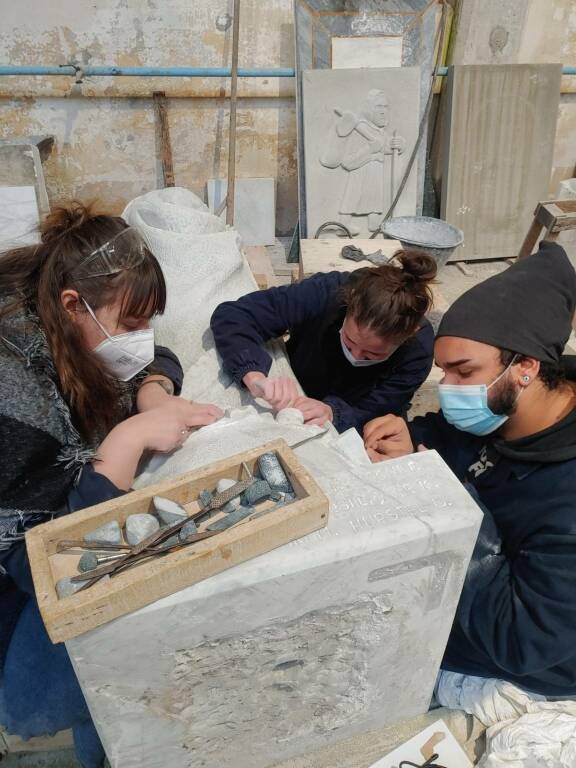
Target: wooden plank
[
  {"x": 139, "y": 586},
  {"x": 323, "y": 255},
  {"x": 163, "y": 138},
  {"x": 260, "y": 265}
]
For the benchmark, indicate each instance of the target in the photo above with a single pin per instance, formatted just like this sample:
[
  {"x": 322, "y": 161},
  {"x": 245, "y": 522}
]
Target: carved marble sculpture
[
  {"x": 360, "y": 127},
  {"x": 367, "y": 147}
]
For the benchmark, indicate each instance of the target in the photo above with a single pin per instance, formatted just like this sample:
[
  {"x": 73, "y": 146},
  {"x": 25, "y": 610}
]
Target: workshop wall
[
  {"x": 105, "y": 144},
  {"x": 519, "y": 32}
]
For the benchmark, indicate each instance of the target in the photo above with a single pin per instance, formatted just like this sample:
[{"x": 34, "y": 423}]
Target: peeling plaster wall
[
  {"x": 526, "y": 31},
  {"x": 104, "y": 128}
]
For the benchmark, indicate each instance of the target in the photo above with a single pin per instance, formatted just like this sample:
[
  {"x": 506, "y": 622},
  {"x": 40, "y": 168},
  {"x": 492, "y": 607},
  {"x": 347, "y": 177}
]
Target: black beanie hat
[{"x": 528, "y": 308}]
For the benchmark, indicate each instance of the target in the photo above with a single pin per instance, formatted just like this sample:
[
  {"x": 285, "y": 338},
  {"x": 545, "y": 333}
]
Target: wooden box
[{"x": 143, "y": 584}]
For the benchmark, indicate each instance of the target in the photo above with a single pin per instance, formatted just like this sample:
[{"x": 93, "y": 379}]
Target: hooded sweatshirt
[{"x": 516, "y": 619}]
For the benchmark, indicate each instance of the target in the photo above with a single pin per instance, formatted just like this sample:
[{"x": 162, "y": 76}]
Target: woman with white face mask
[
  {"x": 359, "y": 345},
  {"x": 84, "y": 393}
]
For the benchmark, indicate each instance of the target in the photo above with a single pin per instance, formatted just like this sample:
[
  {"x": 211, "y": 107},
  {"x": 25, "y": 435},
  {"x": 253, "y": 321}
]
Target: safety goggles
[{"x": 126, "y": 250}]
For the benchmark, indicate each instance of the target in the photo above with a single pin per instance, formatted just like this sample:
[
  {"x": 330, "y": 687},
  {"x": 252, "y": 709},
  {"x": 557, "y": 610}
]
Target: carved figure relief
[{"x": 368, "y": 147}]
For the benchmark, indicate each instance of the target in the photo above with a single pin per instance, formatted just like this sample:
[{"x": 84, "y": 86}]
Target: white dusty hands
[
  {"x": 280, "y": 392},
  {"x": 314, "y": 411}
]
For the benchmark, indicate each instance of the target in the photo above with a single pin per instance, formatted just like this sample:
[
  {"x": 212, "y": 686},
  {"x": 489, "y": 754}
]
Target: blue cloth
[
  {"x": 313, "y": 311},
  {"x": 516, "y": 619},
  {"x": 39, "y": 692}
]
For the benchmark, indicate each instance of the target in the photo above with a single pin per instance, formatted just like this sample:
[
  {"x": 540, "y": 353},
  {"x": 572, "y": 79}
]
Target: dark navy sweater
[
  {"x": 313, "y": 312},
  {"x": 516, "y": 619}
]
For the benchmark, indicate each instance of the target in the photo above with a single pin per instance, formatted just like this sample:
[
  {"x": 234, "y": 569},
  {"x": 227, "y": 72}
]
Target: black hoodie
[{"x": 516, "y": 619}]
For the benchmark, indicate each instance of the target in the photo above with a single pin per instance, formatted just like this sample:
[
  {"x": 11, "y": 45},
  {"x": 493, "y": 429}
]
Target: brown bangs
[{"x": 145, "y": 290}]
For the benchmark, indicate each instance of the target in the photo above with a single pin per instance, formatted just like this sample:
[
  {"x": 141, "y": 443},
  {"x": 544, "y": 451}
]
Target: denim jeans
[{"x": 40, "y": 694}]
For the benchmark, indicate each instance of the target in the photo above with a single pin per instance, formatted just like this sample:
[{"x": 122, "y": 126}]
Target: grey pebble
[
  {"x": 188, "y": 529},
  {"x": 88, "y": 561},
  {"x": 258, "y": 491},
  {"x": 272, "y": 471},
  {"x": 139, "y": 527},
  {"x": 65, "y": 587},
  {"x": 109, "y": 533},
  {"x": 231, "y": 519},
  {"x": 205, "y": 498},
  {"x": 168, "y": 511}
]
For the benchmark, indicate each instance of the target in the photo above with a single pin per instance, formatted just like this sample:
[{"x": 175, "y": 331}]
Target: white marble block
[
  {"x": 330, "y": 636},
  {"x": 365, "y": 52},
  {"x": 254, "y": 207},
  {"x": 360, "y": 128}
]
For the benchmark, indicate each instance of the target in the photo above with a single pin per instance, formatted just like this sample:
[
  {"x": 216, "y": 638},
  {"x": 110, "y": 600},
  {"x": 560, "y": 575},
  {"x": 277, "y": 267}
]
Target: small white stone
[
  {"x": 109, "y": 533},
  {"x": 168, "y": 511},
  {"x": 139, "y": 527}
]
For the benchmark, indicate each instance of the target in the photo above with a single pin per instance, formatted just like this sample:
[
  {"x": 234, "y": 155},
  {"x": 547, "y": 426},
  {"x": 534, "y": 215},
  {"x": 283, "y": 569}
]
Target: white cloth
[
  {"x": 203, "y": 266},
  {"x": 524, "y": 730}
]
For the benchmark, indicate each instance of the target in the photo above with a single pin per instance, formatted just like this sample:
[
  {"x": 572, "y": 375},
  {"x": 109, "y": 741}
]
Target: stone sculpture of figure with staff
[{"x": 365, "y": 147}]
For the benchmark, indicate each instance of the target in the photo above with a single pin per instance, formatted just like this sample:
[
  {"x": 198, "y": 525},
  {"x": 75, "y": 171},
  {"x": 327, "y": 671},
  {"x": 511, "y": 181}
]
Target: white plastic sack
[{"x": 203, "y": 266}]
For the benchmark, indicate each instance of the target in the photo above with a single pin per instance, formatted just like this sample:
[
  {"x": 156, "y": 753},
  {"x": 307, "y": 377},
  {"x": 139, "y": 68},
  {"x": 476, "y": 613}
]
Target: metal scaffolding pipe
[{"x": 71, "y": 70}]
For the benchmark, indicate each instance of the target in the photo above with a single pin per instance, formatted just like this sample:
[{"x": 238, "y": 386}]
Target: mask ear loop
[{"x": 98, "y": 323}]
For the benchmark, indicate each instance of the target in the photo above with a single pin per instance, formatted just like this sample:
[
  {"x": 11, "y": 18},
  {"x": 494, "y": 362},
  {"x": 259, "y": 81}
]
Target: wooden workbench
[{"x": 323, "y": 255}]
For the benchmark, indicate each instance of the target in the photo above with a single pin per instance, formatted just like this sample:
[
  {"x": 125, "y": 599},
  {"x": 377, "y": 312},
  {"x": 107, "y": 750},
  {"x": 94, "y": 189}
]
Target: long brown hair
[
  {"x": 392, "y": 301},
  {"x": 35, "y": 277}
]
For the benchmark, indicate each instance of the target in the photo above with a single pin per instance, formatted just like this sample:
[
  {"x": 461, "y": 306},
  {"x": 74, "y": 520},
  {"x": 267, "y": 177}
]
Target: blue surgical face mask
[{"x": 465, "y": 406}]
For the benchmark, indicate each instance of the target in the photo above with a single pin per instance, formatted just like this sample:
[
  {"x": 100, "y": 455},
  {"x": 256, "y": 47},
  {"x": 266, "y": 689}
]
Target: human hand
[
  {"x": 388, "y": 436},
  {"x": 314, "y": 411},
  {"x": 376, "y": 145},
  {"x": 397, "y": 143},
  {"x": 193, "y": 414},
  {"x": 281, "y": 392}
]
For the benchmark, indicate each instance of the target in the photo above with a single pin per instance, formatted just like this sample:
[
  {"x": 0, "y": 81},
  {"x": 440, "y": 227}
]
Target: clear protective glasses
[{"x": 125, "y": 250}]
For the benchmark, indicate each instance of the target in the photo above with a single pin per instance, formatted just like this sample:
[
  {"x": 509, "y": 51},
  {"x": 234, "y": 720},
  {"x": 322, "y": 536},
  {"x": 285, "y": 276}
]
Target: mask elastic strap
[
  {"x": 504, "y": 372},
  {"x": 98, "y": 323}
]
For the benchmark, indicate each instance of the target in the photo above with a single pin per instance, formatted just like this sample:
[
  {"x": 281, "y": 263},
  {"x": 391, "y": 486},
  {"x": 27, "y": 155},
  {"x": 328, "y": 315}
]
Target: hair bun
[
  {"x": 63, "y": 220},
  {"x": 417, "y": 266}
]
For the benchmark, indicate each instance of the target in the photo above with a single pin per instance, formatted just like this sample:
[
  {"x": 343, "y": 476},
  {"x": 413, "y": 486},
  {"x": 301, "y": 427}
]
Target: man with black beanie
[{"x": 508, "y": 430}]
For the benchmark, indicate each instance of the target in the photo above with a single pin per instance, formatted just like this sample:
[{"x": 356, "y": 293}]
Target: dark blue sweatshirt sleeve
[
  {"x": 241, "y": 327},
  {"x": 167, "y": 364},
  {"x": 92, "y": 488},
  {"x": 392, "y": 393}
]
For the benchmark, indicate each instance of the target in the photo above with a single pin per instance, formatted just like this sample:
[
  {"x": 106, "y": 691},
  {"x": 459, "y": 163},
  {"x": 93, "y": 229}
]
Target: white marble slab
[
  {"x": 330, "y": 636},
  {"x": 19, "y": 217},
  {"x": 360, "y": 127},
  {"x": 254, "y": 207},
  {"x": 366, "y": 52}
]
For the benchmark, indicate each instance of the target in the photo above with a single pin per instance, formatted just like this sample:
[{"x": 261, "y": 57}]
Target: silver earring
[{"x": 525, "y": 379}]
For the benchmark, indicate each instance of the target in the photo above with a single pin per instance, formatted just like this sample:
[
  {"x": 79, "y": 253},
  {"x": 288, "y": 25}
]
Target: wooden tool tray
[{"x": 156, "y": 578}]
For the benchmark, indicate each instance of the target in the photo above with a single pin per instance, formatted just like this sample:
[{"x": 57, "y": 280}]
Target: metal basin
[{"x": 423, "y": 233}]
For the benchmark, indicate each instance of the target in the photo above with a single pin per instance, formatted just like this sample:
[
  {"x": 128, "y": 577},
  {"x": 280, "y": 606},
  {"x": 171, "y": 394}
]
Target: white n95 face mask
[
  {"x": 127, "y": 354},
  {"x": 359, "y": 363}
]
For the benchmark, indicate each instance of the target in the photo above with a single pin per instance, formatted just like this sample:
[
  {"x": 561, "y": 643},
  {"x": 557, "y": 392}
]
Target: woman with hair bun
[
  {"x": 84, "y": 392},
  {"x": 359, "y": 345}
]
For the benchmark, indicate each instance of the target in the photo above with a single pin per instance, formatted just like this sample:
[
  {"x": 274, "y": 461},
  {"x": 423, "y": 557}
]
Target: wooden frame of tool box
[{"x": 143, "y": 584}]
